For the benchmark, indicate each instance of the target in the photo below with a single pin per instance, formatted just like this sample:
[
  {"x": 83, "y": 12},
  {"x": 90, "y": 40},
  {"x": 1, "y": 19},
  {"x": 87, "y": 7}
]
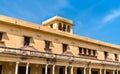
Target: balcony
[{"x": 37, "y": 54}]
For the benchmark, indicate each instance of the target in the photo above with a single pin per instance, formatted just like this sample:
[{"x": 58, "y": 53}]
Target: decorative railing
[{"x": 37, "y": 54}]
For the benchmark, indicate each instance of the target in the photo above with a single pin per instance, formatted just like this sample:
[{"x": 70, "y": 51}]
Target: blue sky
[{"x": 98, "y": 19}]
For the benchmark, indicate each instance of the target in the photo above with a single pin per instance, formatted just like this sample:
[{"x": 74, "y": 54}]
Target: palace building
[{"x": 52, "y": 48}]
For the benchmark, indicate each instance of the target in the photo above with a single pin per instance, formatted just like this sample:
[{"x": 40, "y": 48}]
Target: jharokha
[{"x": 52, "y": 48}]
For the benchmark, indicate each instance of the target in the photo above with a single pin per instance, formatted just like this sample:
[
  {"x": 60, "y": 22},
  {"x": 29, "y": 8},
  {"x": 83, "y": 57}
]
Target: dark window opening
[
  {"x": 51, "y": 25},
  {"x": 79, "y": 71},
  {"x": 47, "y": 44},
  {"x": 80, "y": 50},
  {"x": 85, "y": 51},
  {"x": 60, "y": 26},
  {"x": 64, "y": 47},
  {"x": 94, "y": 52},
  {"x": 43, "y": 70},
  {"x": 95, "y": 72},
  {"x": 105, "y": 54},
  {"x": 22, "y": 70},
  {"x": 116, "y": 57},
  {"x": 0, "y": 69},
  {"x": 89, "y": 51},
  {"x": 61, "y": 70},
  {"x": 107, "y": 72},
  {"x": 64, "y": 28},
  {"x": 26, "y": 40},
  {"x": 1, "y": 35},
  {"x": 68, "y": 29}
]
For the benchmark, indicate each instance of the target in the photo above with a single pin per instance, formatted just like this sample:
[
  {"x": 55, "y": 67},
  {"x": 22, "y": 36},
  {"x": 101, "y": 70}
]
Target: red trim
[
  {"x": 27, "y": 46},
  {"x": 68, "y": 53}
]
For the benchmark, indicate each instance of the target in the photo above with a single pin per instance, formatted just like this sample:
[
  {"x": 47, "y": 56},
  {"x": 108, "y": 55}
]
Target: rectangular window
[
  {"x": 51, "y": 25},
  {"x": 116, "y": 57},
  {"x": 94, "y": 52},
  {"x": 105, "y": 54},
  {"x": 64, "y": 47},
  {"x": 80, "y": 50},
  {"x": 26, "y": 40},
  {"x": 89, "y": 51},
  {"x": 85, "y": 51},
  {"x": 47, "y": 44},
  {"x": 1, "y": 35}
]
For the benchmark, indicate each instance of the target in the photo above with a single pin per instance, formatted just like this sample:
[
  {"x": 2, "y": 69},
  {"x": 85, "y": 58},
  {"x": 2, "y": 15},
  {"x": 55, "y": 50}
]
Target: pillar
[
  {"x": 100, "y": 70},
  {"x": 53, "y": 69},
  {"x": 27, "y": 68},
  {"x": 65, "y": 69},
  {"x": 104, "y": 71},
  {"x": 89, "y": 70},
  {"x": 84, "y": 70},
  {"x": 46, "y": 69},
  {"x": 71, "y": 29},
  {"x": 113, "y": 72},
  {"x": 16, "y": 67},
  {"x": 71, "y": 71},
  {"x": 117, "y": 71}
]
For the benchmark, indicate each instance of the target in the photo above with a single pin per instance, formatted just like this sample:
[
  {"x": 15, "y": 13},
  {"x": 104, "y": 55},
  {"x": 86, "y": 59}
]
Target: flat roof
[{"x": 22, "y": 23}]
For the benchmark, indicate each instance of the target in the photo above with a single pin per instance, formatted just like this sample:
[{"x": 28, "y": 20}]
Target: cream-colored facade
[{"x": 52, "y": 48}]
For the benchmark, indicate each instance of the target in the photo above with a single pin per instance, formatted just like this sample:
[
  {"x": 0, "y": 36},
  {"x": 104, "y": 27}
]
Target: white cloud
[{"x": 113, "y": 15}]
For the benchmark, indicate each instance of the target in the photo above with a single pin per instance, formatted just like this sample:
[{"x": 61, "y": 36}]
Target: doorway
[
  {"x": 43, "y": 70},
  {"x": 94, "y": 72},
  {"x": 79, "y": 71},
  {"x": 107, "y": 72},
  {"x": 0, "y": 69},
  {"x": 62, "y": 70},
  {"x": 22, "y": 70}
]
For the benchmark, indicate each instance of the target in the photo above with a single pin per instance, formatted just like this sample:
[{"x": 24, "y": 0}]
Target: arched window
[{"x": 60, "y": 26}]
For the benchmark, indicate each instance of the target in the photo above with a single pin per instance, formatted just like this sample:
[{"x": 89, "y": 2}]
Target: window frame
[
  {"x": 85, "y": 51},
  {"x": 1, "y": 36},
  {"x": 27, "y": 42},
  {"x": 105, "y": 54},
  {"x": 89, "y": 52},
  {"x": 64, "y": 47},
  {"x": 80, "y": 50},
  {"x": 116, "y": 57},
  {"x": 47, "y": 44},
  {"x": 94, "y": 52}
]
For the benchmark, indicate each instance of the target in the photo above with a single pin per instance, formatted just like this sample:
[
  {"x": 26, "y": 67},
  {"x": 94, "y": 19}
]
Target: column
[
  {"x": 71, "y": 29},
  {"x": 46, "y": 68},
  {"x": 117, "y": 71},
  {"x": 16, "y": 67},
  {"x": 65, "y": 69},
  {"x": 62, "y": 26},
  {"x": 113, "y": 72},
  {"x": 53, "y": 69},
  {"x": 27, "y": 68},
  {"x": 100, "y": 70},
  {"x": 84, "y": 70},
  {"x": 89, "y": 70},
  {"x": 66, "y": 27},
  {"x": 71, "y": 71},
  {"x": 104, "y": 71}
]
